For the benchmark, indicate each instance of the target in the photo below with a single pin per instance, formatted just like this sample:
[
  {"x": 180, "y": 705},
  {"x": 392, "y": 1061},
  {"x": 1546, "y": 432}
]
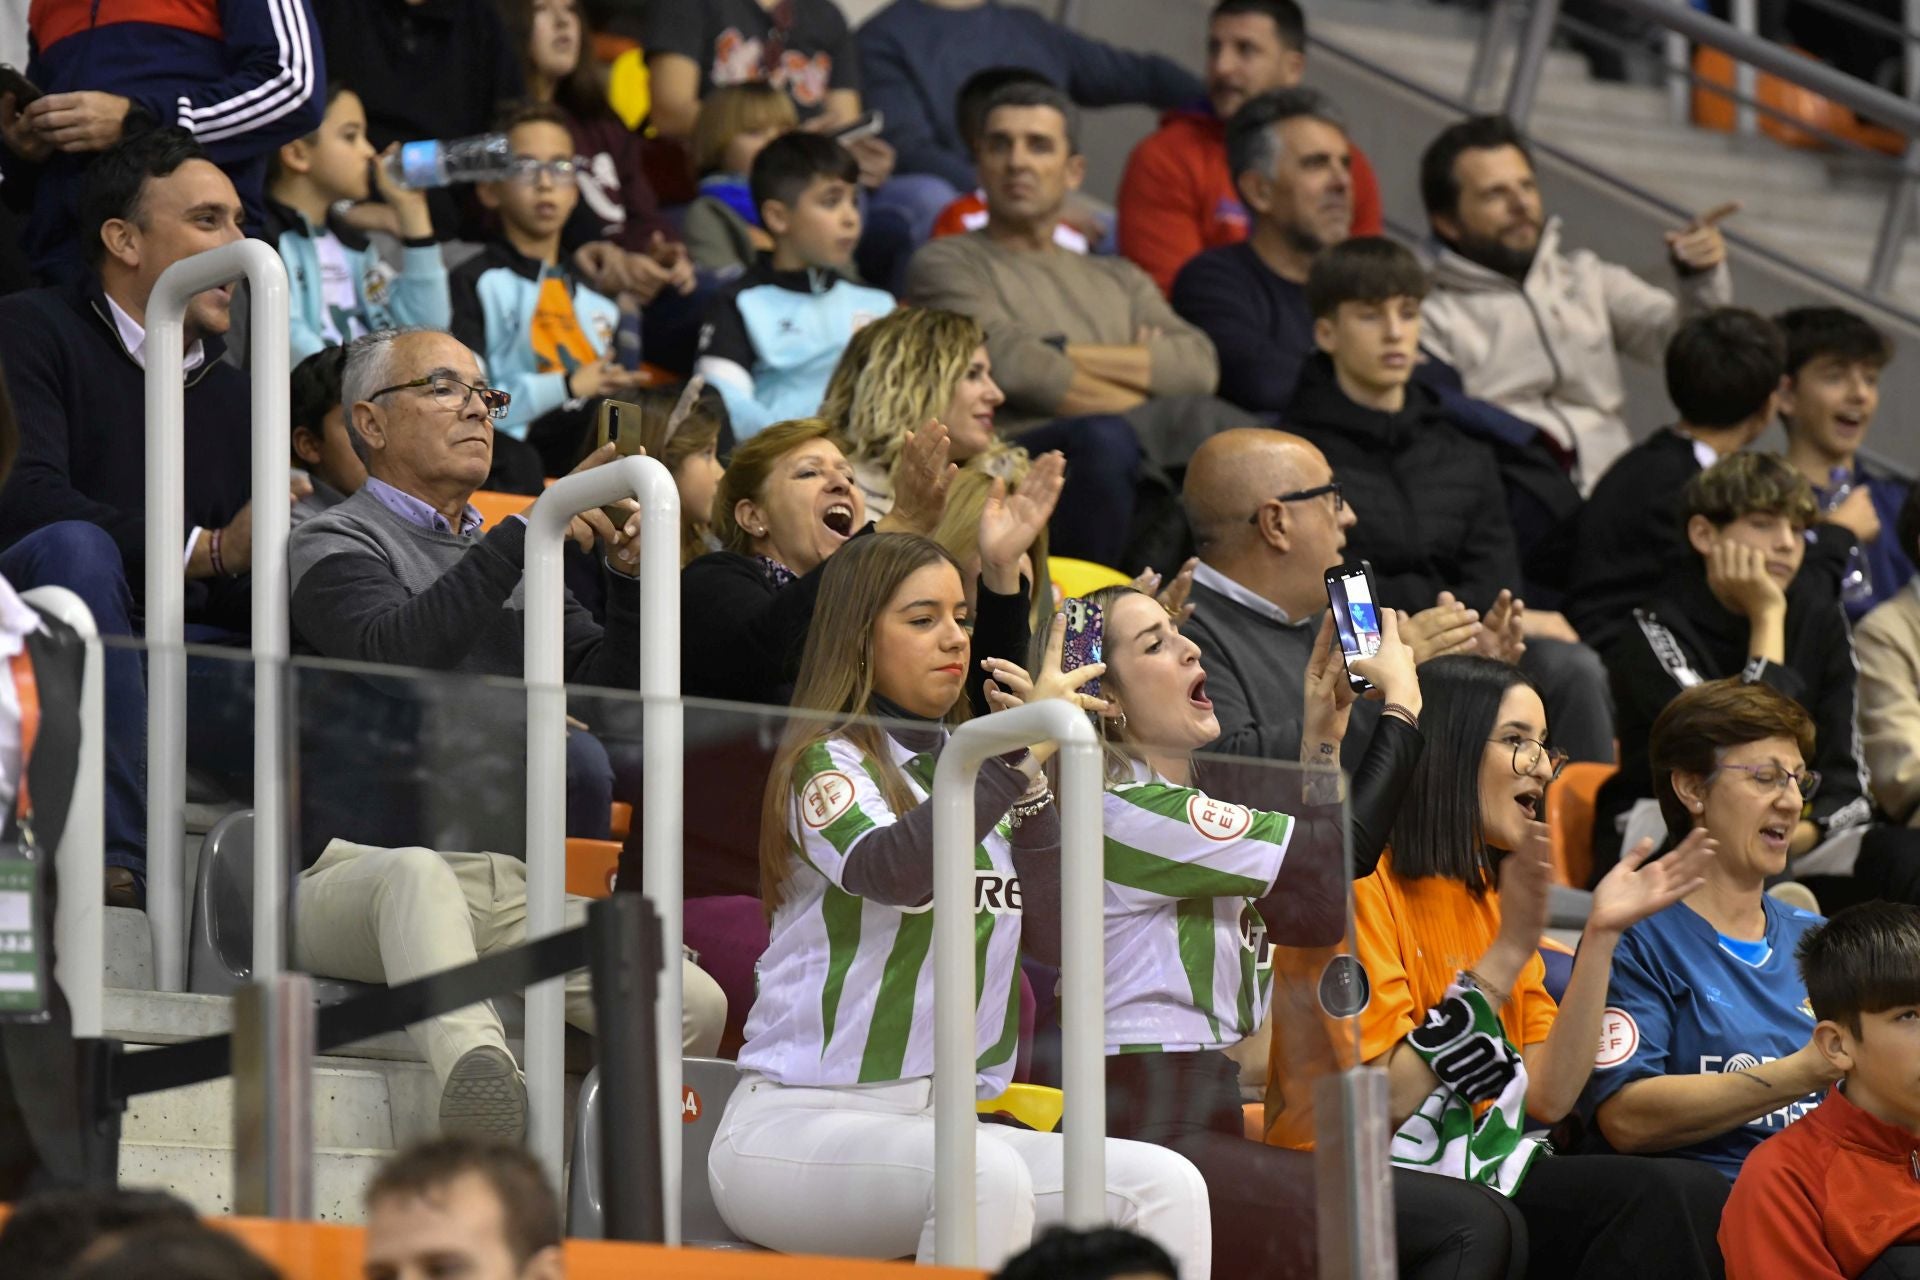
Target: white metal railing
[
  {"x": 1082, "y": 976},
  {"x": 79, "y": 916},
  {"x": 166, "y": 534},
  {"x": 662, "y": 730}
]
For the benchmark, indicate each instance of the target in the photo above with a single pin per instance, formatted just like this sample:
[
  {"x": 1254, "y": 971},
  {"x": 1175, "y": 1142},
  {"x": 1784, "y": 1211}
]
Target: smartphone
[
  {"x": 1356, "y": 616},
  {"x": 22, "y": 89},
  {"x": 1084, "y": 640},
  {"x": 866, "y": 126},
  {"x": 619, "y": 422}
]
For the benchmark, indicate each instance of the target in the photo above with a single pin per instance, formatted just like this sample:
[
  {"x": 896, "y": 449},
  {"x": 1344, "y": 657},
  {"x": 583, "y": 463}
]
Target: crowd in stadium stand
[{"x": 909, "y": 378}]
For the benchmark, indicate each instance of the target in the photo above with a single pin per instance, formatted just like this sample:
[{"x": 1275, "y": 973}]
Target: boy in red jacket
[{"x": 1830, "y": 1196}]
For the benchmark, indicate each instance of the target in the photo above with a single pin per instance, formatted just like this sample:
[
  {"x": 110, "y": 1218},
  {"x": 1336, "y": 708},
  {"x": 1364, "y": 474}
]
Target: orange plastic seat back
[
  {"x": 494, "y": 506},
  {"x": 1570, "y": 801},
  {"x": 591, "y": 866},
  {"x": 1823, "y": 117}
]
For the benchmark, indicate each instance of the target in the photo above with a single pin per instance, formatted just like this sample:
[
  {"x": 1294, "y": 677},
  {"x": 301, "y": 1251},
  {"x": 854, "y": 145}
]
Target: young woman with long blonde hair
[{"x": 834, "y": 1110}]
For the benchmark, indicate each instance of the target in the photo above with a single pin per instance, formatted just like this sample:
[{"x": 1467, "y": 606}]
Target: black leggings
[
  {"x": 1263, "y": 1197},
  {"x": 1649, "y": 1217}
]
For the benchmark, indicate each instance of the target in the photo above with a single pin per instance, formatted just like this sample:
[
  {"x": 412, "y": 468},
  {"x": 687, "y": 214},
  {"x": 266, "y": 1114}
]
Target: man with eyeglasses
[
  {"x": 547, "y": 338},
  {"x": 1741, "y": 607},
  {"x": 1269, "y": 519},
  {"x": 400, "y": 778}
]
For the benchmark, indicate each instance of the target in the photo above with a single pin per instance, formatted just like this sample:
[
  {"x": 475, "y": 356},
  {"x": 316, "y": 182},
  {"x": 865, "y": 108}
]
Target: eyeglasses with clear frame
[
  {"x": 1772, "y": 777},
  {"x": 451, "y": 393},
  {"x": 1527, "y": 753},
  {"x": 526, "y": 171},
  {"x": 1305, "y": 495}
]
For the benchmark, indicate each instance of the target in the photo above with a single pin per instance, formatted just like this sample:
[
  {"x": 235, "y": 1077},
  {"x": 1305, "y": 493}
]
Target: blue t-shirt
[{"x": 1683, "y": 1001}]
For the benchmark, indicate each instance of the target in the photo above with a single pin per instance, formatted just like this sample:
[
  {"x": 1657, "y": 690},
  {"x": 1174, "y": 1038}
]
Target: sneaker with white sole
[{"x": 485, "y": 1094}]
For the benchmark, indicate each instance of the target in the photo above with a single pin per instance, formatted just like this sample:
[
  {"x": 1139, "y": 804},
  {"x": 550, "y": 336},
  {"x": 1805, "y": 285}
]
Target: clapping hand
[
  {"x": 1010, "y": 523},
  {"x": 1526, "y": 883},
  {"x": 1448, "y": 627},
  {"x": 1503, "y": 634},
  {"x": 921, "y": 478},
  {"x": 1173, "y": 596},
  {"x": 1637, "y": 888}
]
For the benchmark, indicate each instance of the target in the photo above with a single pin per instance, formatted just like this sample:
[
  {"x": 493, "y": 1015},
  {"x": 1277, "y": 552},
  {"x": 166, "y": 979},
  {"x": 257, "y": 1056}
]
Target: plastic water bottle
[
  {"x": 432, "y": 163},
  {"x": 1856, "y": 583}
]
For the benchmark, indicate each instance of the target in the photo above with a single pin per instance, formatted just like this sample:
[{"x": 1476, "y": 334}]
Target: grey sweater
[
  {"x": 370, "y": 587},
  {"x": 1256, "y": 671}
]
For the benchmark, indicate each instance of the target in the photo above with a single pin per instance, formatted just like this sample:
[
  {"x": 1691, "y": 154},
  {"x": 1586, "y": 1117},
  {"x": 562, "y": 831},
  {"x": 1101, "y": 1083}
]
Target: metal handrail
[
  {"x": 269, "y": 348},
  {"x": 79, "y": 916},
  {"x": 1082, "y": 977},
  {"x": 1776, "y": 60},
  {"x": 662, "y": 730}
]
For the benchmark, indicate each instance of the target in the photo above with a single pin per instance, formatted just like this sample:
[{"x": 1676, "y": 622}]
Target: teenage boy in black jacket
[
  {"x": 1433, "y": 514},
  {"x": 1742, "y": 606},
  {"x": 73, "y": 512}
]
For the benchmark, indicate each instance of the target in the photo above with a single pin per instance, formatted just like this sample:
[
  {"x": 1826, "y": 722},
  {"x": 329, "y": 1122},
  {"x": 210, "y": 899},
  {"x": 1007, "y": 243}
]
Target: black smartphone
[
  {"x": 1356, "y": 616},
  {"x": 1085, "y": 639},
  {"x": 22, "y": 89}
]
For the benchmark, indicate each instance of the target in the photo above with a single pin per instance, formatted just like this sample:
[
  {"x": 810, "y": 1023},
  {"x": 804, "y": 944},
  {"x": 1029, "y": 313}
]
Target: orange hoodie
[
  {"x": 1824, "y": 1198},
  {"x": 1177, "y": 198}
]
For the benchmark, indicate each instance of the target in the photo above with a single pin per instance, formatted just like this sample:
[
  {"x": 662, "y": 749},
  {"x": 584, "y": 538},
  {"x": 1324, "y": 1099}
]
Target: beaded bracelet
[
  {"x": 213, "y": 554},
  {"x": 1395, "y": 709}
]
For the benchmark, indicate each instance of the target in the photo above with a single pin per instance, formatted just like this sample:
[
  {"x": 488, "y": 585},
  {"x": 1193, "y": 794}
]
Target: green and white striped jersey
[
  {"x": 846, "y": 984},
  {"x": 1187, "y": 963}
]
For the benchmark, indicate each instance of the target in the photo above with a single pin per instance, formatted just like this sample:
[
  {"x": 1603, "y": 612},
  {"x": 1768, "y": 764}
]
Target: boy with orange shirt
[{"x": 1830, "y": 1197}]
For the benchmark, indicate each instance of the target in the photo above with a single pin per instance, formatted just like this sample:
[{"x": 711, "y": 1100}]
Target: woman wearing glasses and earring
[
  {"x": 1706, "y": 1044},
  {"x": 1476, "y": 1051}
]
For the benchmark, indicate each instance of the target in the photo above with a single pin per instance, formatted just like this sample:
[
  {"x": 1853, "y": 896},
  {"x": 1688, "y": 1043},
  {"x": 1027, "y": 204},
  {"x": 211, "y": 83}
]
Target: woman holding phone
[
  {"x": 834, "y": 1108},
  {"x": 1197, "y": 883},
  {"x": 1448, "y": 927}
]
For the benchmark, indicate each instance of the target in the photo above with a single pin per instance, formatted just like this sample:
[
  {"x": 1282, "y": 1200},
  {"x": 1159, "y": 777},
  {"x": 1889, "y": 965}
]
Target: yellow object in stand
[
  {"x": 629, "y": 88},
  {"x": 1033, "y": 1105},
  {"x": 1082, "y": 577}
]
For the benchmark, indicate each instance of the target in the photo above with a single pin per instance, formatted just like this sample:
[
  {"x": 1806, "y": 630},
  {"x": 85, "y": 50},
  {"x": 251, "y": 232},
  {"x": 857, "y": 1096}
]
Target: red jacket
[
  {"x": 1824, "y": 1198},
  {"x": 1177, "y": 197}
]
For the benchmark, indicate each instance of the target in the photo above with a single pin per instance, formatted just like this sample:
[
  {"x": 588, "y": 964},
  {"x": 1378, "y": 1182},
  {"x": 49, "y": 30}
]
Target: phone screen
[
  {"x": 1085, "y": 639},
  {"x": 1356, "y": 617}
]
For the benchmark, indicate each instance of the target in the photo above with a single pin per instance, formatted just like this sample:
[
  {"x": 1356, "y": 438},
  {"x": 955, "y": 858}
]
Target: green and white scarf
[{"x": 1464, "y": 1047}]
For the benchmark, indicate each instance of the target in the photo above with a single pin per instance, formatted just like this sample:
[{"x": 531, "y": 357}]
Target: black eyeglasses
[
  {"x": 1302, "y": 495},
  {"x": 1527, "y": 753},
  {"x": 451, "y": 393}
]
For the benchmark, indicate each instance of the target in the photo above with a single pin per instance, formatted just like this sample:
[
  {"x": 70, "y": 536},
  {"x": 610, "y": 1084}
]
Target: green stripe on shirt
[
  {"x": 840, "y": 913},
  {"x": 1170, "y": 878},
  {"x": 893, "y": 1004},
  {"x": 1196, "y": 932}
]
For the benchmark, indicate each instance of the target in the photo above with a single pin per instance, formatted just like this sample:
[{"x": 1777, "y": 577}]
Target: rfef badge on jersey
[
  {"x": 825, "y": 797},
  {"x": 1218, "y": 820}
]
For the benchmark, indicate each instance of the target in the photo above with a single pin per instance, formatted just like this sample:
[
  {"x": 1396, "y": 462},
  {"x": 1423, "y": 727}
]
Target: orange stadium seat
[
  {"x": 494, "y": 506},
  {"x": 1570, "y": 817},
  {"x": 591, "y": 865}
]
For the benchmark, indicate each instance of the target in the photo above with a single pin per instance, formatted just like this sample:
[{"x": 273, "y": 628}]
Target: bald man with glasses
[{"x": 399, "y": 773}]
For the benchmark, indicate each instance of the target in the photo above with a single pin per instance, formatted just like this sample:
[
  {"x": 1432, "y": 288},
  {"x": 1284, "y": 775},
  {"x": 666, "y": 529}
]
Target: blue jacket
[
  {"x": 533, "y": 324},
  {"x": 416, "y": 295},
  {"x": 772, "y": 339},
  {"x": 1887, "y": 564},
  {"x": 243, "y": 76}
]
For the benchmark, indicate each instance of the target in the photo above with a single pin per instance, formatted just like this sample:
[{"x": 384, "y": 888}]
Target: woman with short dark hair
[{"x": 1706, "y": 1047}]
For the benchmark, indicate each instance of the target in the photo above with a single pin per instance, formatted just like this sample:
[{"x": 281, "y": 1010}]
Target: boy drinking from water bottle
[
  {"x": 547, "y": 338},
  {"x": 1827, "y": 403},
  {"x": 341, "y": 287}
]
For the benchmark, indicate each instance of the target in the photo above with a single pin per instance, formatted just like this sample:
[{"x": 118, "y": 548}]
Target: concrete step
[
  {"x": 357, "y": 1104},
  {"x": 202, "y": 1175}
]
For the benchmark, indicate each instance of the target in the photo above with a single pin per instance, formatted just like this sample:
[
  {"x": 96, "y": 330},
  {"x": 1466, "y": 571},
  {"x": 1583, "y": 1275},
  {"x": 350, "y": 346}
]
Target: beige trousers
[{"x": 369, "y": 914}]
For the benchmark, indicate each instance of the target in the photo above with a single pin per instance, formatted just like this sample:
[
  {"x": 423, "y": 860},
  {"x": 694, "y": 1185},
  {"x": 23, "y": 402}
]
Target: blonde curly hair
[{"x": 895, "y": 374}]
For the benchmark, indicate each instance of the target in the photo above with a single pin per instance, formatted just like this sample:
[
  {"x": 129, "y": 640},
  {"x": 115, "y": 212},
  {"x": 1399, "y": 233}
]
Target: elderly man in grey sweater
[
  {"x": 400, "y": 573},
  {"x": 1269, "y": 520}
]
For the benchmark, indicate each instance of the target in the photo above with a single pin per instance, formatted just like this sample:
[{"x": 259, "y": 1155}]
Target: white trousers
[
  {"x": 849, "y": 1172},
  {"x": 370, "y": 914}
]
